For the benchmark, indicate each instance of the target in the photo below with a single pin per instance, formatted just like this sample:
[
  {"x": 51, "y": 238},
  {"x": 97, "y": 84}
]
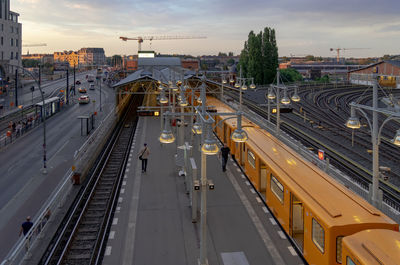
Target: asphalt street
[{"x": 23, "y": 188}]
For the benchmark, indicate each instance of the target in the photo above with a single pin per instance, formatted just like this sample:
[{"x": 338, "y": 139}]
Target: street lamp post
[
  {"x": 285, "y": 99},
  {"x": 354, "y": 123},
  {"x": 38, "y": 82},
  {"x": 209, "y": 147}
]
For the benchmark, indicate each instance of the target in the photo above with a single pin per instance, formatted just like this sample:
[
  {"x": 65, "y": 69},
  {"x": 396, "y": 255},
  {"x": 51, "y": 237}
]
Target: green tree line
[{"x": 259, "y": 57}]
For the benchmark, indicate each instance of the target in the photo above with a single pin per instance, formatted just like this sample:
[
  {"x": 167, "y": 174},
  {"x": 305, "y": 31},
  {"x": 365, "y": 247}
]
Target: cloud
[{"x": 312, "y": 25}]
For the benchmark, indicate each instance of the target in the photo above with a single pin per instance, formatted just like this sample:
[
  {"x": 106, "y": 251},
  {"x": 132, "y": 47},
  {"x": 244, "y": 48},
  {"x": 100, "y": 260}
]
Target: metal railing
[
  {"x": 313, "y": 158},
  {"x": 21, "y": 249}
]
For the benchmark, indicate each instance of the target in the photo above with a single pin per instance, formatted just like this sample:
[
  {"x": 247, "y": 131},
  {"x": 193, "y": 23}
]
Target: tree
[
  {"x": 230, "y": 61},
  {"x": 259, "y": 57},
  {"x": 29, "y": 63},
  {"x": 222, "y": 54},
  {"x": 290, "y": 75},
  {"x": 230, "y": 54}
]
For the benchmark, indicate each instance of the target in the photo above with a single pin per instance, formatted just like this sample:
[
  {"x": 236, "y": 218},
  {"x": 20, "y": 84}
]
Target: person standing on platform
[
  {"x": 224, "y": 152},
  {"x": 26, "y": 226},
  {"x": 144, "y": 155}
]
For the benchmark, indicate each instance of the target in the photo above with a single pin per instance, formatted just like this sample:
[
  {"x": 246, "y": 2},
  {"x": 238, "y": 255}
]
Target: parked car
[
  {"x": 84, "y": 100},
  {"x": 91, "y": 87},
  {"x": 82, "y": 90},
  {"x": 78, "y": 82}
]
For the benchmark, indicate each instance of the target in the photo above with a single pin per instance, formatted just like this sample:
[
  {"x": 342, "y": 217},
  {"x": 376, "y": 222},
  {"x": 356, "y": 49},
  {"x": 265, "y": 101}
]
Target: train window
[
  {"x": 277, "y": 188},
  {"x": 349, "y": 261},
  {"x": 339, "y": 249},
  {"x": 251, "y": 158},
  {"x": 318, "y": 235}
]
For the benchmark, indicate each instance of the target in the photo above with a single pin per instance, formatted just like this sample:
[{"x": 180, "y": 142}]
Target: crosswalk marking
[
  {"x": 258, "y": 199},
  {"x": 120, "y": 199},
  {"x": 265, "y": 209},
  {"x": 122, "y": 190},
  {"x": 111, "y": 235},
  {"x": 247, "y": 183},
  {"x": 115, "y": 221},
  {"x": 272, "y": 220},
  {"x": 253, "y": 191},
  {"x": 123, "y": 183}
]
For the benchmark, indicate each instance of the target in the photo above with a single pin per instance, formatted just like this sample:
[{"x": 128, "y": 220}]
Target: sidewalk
[{"x": 153, "y": 225}]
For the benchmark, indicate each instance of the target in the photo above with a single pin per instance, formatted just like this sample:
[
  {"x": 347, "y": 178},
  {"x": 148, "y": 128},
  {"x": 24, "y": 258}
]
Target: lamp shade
[
  {"x": 166, "y": 137},
  {"x": 183, "y": 102},
  {"x": 271, "y": 95},
  {"x": 396, "y": 139},
  {"x": 244, "y": 87},
  {"x": 296, "y": 97},
  {"x": 237, "y": 84},
  {"x": 224, "y": 81},
  {"x": 353, "y": 123},
  {"x": 210, "y": 148},
  {"x": 196, "y": 129},
  {"x": 252, "y": 86},
  {"x": 239, "y": 136},
  {"x": 285, "y": 100}
]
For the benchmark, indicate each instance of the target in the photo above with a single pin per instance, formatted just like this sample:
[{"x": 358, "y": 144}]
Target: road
[{"x": 23, "y": 188}]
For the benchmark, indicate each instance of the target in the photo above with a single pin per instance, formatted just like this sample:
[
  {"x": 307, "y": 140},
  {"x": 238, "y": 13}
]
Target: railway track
[{"x": 81, "y": 239}]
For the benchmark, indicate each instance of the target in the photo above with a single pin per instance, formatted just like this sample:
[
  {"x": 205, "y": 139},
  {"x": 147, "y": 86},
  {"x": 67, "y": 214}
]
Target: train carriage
[
  {"x": 313, "y": 209},
  {"x": 372, "y": 247}
]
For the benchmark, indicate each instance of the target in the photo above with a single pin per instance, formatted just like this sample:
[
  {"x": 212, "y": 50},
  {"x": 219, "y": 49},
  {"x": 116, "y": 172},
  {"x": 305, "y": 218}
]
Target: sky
[{"x": 302, "y": 26}]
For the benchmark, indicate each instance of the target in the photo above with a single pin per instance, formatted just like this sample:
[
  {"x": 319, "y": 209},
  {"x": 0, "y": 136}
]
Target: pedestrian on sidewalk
[
  {"x": 224, "y": 152},
  {"x": 144, "y": 155},
  {"x": 26, "y": 226}
]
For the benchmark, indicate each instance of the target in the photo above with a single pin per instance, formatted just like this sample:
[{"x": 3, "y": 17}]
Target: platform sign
[{"x": 321, "y": 154}]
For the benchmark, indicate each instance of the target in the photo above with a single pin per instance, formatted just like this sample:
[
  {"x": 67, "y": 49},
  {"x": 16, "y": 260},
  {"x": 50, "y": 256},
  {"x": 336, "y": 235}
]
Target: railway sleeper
[
  {"x": 84, "y": 229},
  {"x": 77, "y": 255},
  {"x": 95, "y": 213},
  {"x": 85, "y": 245}
]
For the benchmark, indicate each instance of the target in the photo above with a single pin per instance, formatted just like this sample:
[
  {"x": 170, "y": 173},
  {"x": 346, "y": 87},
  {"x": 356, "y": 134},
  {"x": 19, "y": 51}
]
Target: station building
[{"x": 387, "y": 71}]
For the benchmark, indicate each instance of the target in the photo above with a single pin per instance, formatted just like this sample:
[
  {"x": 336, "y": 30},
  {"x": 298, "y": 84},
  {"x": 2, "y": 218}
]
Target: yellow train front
[
  {"x": 372, "y": 247},
  {"x": 314, "y": 210}
]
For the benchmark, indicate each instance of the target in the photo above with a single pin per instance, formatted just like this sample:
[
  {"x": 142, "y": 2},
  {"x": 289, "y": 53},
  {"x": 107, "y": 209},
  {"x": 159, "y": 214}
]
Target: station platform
[{"x": 153, "y": 220}]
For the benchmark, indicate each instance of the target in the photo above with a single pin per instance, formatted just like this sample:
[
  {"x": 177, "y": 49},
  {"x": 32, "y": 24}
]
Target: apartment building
[
  {"x": 91, "y": 56},
  {"x": 10, "y": 40},
  {"x": 70, "y": 57}
]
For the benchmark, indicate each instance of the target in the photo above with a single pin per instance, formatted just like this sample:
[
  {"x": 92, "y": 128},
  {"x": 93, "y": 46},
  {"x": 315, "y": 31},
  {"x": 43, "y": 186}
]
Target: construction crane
[
  {"x": 34, "y": 45},
  {"x": 343, "y": 49},
  {"x": 151, "y": 38}
]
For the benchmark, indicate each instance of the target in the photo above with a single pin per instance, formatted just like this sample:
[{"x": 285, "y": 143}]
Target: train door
[
  {"x": 263, "y": 178},
  {"x": 242, "y": 154},
  {"x": 225, "y": 132},
  {"x": 296, "y": 228}
]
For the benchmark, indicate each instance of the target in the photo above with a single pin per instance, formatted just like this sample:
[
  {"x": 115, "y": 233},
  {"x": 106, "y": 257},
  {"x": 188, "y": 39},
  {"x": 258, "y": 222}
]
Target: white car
[
  {"x": 91, "y": 87},
  {"x": 84, "y": 100}
]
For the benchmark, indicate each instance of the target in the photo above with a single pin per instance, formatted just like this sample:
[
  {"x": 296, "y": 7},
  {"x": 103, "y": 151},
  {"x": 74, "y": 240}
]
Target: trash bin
[{"x": 76, "y": 178}]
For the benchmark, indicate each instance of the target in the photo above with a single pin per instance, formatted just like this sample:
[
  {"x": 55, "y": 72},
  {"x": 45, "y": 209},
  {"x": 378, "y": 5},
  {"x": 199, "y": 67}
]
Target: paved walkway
[{"x": 153, "y": 225}]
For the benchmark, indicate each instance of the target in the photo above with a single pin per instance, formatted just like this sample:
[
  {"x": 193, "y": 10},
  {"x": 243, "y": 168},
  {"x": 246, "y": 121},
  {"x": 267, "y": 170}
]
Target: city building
[
  {"x": 312, "y": 70},
  {"x": 69, "y": 57},
  {"x": 91, "y": 56},
  {"x": 42, "y": 57},
  {"x": 191, "y": 64},
  {"x": 10, "y": 40},
  {"x": 388, "y": 72},
  {"x": 130, "y": 63}
]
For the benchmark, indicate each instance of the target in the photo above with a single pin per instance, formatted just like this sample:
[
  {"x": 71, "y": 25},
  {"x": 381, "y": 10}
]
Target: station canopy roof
[{"x": 163, "y": 69}]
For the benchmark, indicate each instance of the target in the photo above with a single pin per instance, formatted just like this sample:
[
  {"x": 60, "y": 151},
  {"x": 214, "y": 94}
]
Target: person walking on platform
[
  {"x": 26, "y": 226},
  {"x": 224, "y": 152},
  {"x": 144, "y": 155}
]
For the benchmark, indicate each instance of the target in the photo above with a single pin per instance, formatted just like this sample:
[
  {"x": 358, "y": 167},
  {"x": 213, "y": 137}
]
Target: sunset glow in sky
[{"x": 302, "y": 26}]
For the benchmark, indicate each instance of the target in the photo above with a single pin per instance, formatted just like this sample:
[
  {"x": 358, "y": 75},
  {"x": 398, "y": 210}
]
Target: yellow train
[{"x": 316, "y": 212}]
